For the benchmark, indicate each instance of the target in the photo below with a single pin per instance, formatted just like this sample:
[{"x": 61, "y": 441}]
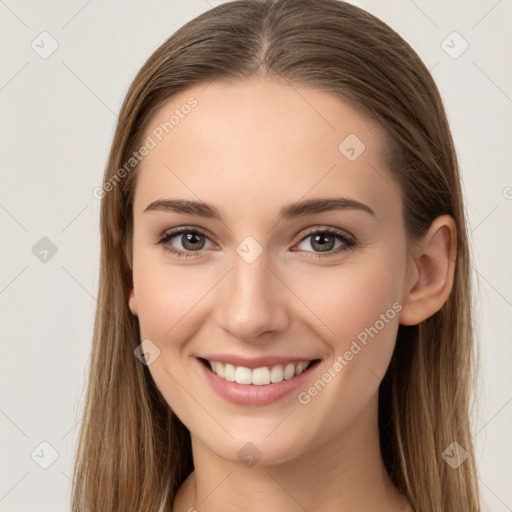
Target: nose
[{"x": 253, "y": 300}]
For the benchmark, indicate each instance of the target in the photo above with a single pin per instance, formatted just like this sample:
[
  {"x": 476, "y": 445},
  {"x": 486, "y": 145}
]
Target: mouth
[{"x": 261, "y": 376}]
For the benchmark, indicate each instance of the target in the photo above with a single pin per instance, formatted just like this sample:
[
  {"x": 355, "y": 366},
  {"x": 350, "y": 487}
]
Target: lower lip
[{"x": 251, "y": 394}]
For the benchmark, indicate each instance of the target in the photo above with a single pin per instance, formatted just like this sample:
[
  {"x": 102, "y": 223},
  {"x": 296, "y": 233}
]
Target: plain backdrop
[{"x": 58, "y": 114}]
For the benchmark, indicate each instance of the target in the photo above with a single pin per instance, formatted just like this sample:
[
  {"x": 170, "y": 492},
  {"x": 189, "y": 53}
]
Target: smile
[
  {"x": 255, "y": 381},
  {"x": 261, "y": 376}
]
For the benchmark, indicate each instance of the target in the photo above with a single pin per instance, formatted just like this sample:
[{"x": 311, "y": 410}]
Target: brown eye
[
  {"x": 322, "y": 242},
  {"x": 330, "y": 241},
  {"x": 190, "y": 240}
]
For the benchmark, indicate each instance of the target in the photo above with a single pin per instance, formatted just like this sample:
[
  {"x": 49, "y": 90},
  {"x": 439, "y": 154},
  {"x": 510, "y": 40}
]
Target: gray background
[{"x": 56, "y": 124}]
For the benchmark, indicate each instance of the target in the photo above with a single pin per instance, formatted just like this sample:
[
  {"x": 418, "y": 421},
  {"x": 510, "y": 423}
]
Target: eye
[
  {"x": 191, "y": 240},
  {"x": 324, "y": 240}
]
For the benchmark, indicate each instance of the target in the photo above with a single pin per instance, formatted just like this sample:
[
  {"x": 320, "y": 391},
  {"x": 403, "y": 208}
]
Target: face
[{"x": 298, "y": 304}]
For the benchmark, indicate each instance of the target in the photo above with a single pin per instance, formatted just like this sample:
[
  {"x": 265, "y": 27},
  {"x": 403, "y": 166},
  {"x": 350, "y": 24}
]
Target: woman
[{"x": 284, "y": 317}]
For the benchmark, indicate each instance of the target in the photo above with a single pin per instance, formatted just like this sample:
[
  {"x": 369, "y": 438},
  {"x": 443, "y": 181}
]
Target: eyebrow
[{"x": 290, "y": 211}]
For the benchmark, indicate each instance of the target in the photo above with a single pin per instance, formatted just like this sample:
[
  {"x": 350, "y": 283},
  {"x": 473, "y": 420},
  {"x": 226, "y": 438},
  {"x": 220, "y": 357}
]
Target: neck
[{"x": 344, "y": 474}]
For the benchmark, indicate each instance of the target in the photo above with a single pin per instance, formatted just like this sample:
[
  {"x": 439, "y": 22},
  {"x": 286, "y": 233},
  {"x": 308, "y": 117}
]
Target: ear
[
  {"x": 432, "y": 268},
  {"x": 132, "y": 302}
]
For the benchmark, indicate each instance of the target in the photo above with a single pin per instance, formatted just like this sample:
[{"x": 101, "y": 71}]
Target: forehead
[{"x": 261, "y": 140}]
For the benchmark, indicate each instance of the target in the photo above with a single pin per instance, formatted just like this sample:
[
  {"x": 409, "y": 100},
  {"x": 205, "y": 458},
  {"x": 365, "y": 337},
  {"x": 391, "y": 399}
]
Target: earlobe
[
  {"x": 434, "y": 268},
  {"x": 132, "y": 302}
]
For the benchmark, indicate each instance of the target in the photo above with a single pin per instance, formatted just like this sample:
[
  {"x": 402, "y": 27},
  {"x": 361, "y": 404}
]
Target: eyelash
[{"x": 348, "y": 242}]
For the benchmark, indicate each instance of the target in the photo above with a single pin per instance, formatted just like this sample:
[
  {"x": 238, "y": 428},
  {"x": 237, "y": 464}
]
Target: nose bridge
[{"x": 251, "y": 302}]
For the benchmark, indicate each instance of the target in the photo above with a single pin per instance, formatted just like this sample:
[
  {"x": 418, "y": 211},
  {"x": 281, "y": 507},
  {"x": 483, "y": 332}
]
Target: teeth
[
  {"x": 219, "y": 370},
  {"x": 242, "y": 375},
  {"x": 257, "y": 376},
  {"x": 289, "y": 371},
  {"x": 276, "y": 374},
  {"x": 301, "y": 367},
  {"x": 229, "y": 372}
]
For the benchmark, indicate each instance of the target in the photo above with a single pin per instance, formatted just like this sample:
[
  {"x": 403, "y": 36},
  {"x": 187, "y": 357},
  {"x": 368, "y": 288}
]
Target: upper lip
[{"x": 256, "y": 362}]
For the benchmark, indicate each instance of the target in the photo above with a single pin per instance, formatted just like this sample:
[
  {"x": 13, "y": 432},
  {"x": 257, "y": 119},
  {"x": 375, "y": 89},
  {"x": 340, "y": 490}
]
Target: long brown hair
[{"x": 133, "y": 452}]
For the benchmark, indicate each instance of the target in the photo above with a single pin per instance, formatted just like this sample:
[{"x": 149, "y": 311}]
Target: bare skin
[{"x": 249, "y": 148}]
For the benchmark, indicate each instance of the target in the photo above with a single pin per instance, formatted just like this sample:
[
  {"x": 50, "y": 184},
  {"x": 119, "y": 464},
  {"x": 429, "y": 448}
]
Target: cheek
[
  {"x": 358, "y": 308},
  {"x": 365, "y": 303},
  {"x": 169, "y": 301},
  {"x": 347, "y": 300},
  {"x": 166, "y": 297}
]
